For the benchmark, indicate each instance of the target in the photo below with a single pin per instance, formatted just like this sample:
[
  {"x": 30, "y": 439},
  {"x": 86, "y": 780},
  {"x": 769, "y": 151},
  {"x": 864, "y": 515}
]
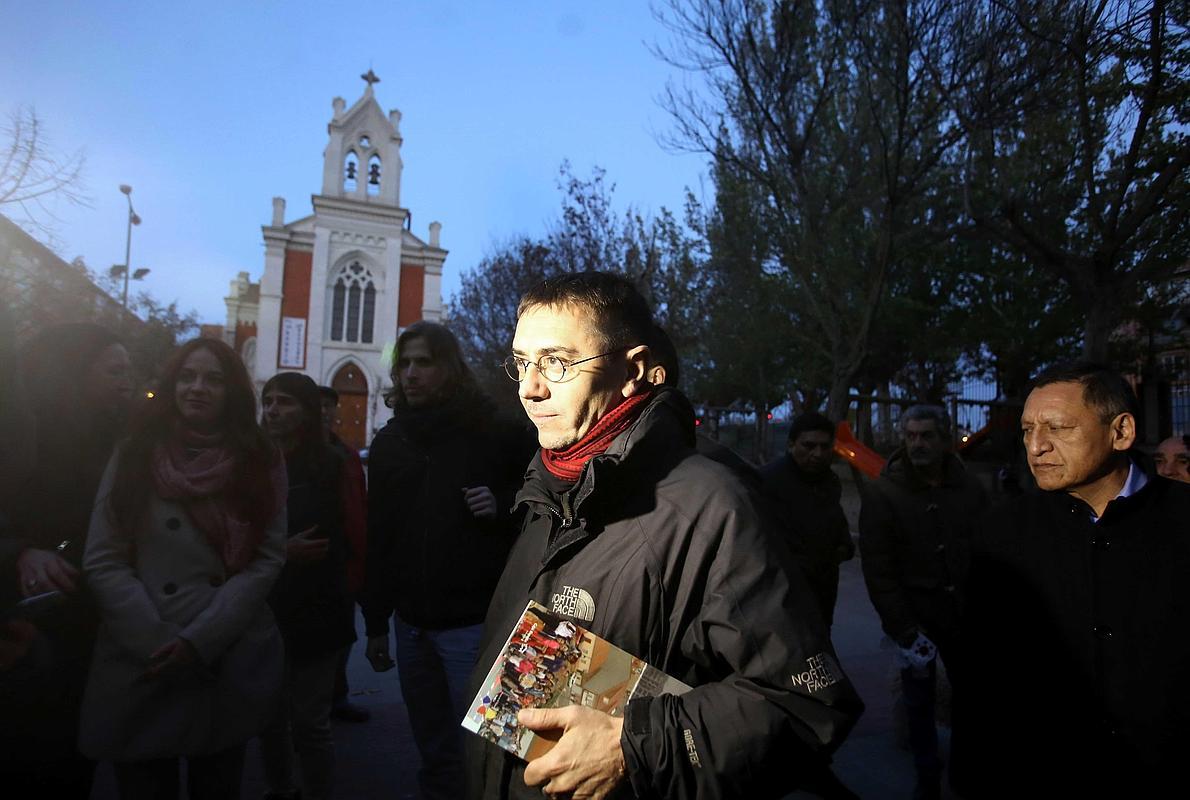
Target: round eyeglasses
[{"x": 553, "y": 368}]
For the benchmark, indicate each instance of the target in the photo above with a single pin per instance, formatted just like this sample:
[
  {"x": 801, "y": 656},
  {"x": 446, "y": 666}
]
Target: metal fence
[{"x": 977, "y": 415}]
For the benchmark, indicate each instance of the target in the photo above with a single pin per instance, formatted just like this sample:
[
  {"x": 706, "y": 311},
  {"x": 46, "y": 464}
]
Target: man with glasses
[{"x": 632, "y": 535}]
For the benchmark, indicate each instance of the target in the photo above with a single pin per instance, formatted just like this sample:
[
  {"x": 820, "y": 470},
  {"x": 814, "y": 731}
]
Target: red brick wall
[
  {"x": 295, "y": 287},
  {"x": 413, "y": 282},
  {"x": 244, "y": 332},
  {"x": 295, "y": 295}
]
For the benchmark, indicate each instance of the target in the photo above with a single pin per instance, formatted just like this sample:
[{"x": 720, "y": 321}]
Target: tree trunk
[
  {"x": 761, "y": 430},
  {"x": 884, "y": 423},
  {"x": 839, "y": 400},
  {"x": 1103, "y": 314}
]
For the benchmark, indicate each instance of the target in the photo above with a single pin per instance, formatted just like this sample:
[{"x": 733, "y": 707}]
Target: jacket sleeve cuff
[{"x": 638, "y": 725}]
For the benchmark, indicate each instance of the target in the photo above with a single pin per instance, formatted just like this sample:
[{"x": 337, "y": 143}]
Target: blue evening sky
[{"x": 210, "y": 109}]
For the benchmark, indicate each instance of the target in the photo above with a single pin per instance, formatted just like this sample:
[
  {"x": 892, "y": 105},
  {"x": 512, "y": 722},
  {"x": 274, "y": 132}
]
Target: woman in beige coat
[{"x": 186, "y": 540}]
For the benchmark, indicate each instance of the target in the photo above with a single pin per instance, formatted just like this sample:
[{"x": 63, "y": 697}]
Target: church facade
[{"x": 339, "y": 285}]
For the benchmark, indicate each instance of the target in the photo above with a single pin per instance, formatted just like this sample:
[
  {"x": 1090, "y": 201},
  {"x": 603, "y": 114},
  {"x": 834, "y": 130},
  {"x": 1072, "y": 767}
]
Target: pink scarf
[{"x": 198, "y": 479}]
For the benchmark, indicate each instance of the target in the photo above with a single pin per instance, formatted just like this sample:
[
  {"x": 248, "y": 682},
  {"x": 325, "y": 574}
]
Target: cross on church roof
[{"x": 370, "y": 77}]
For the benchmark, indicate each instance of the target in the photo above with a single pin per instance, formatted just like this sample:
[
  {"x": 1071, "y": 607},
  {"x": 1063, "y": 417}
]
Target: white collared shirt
[{"x": 1135, "y": 482}]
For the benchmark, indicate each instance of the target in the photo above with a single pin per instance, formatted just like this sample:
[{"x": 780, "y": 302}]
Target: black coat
[
  {"x": 1077, "y": 647},
  {"x": 52, "y": 511},
  {"x": 662, "y": 552},
  {"x": 429, "y": 558},
  {"x": 313, "y": 608},
  {"x": 810, "y": 511},
  {"x": 913, "y": 540}
]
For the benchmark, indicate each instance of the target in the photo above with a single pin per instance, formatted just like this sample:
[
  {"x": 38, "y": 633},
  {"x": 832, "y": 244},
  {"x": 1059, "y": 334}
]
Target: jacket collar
[
  {"x": 663, "y": 432},
  {"x": 901, "y": 470},
  {"x": 1138, "y": 487}
]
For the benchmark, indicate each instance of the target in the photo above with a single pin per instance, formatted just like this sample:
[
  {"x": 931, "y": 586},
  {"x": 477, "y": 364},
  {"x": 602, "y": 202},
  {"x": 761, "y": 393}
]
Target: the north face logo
[
  {"x": 572, "y": 602},
  {"x": 821, "y": 671}
]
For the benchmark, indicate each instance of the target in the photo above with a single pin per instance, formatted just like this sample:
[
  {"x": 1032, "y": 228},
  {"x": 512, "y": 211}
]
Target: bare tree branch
[{"x": 32, "y": 173}]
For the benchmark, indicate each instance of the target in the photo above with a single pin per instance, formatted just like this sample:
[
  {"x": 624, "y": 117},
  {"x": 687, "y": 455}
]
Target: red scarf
[{"x": 567, "y": 464}]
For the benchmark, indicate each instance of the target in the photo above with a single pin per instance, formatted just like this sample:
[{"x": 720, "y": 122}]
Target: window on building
[
  {"x": 353, "y": 305},
  {"x": 365, "y": 334},
  {"x": 374, "y": 175},
  {"x": 364, "y": 141},
  {"x": 350, "y": 171}
]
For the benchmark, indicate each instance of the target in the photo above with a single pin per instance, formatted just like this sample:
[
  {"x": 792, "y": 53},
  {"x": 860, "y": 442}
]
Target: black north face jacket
[{"x": 661, "y": 552}]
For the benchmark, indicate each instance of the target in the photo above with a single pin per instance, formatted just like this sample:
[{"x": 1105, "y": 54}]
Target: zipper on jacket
[{"x": 567, "y": 511}]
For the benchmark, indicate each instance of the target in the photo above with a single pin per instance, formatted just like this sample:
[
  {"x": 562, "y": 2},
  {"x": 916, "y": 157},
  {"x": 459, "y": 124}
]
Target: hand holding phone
[
  {"x": 42, "y": 571},
  {"x": 35, "y": 607}
]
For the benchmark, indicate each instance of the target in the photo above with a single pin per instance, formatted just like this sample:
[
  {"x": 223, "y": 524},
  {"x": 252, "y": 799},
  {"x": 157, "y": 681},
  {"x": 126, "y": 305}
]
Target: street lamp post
[{"x": 133, "y": 219}]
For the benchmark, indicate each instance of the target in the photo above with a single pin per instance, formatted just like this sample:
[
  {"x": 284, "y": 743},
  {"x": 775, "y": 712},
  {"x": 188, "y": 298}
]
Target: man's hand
[
  {"x": 305, "y": 548},
  {"x": 170, "y": 659},
  {"x": 587, "y": 761},
  {"x": 377, "y": 653},
  {"x": 481, "y": 501},
  {"x": 919, "y": 653},
  {"x": 42, "y": 571}
]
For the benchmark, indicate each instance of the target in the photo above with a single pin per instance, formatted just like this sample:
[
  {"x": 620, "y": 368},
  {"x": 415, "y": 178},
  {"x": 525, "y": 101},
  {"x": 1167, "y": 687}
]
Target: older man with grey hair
[{"x": 913, "y": 531}]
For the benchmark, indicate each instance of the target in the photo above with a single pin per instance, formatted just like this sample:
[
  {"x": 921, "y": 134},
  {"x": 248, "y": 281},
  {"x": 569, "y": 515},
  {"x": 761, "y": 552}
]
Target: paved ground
[{"x": 377, "y": 759}]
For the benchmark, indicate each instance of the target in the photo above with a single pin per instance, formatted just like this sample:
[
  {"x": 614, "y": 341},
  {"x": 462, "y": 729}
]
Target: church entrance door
[{"x": 351, "y": 422}]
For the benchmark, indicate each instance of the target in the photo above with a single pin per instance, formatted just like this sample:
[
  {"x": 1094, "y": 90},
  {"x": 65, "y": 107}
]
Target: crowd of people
[{"x": 179, "y": 574}]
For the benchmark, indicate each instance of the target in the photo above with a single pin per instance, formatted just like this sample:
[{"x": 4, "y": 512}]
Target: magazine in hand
[{"x": 549, "y": 662}]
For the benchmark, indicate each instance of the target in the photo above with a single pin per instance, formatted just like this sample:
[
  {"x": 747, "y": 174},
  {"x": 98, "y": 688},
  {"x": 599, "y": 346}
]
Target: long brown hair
[
  {"x": 444, "y": 347},
  {"x": 251, "y": 493}
]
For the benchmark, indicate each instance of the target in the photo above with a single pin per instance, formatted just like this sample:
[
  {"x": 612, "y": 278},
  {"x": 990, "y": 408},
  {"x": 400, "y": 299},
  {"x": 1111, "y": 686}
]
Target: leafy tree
[
  {"x": 829, "y": 108},
  {"x": 1075, "y": 122},
  {"x": 657, "y": 253},
  {"x": 150, "y": 328},
  {"x": 162, "y": 327},
  {"x": 1024, "y": 318},
  {"x": 750, "y": 355},
  {"x": 483, "y": 312}
]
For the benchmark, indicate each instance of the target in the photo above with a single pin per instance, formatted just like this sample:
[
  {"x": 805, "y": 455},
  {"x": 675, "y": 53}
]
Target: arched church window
[
  {"x": 353, "y": 305},
  {"x": 364, "y": 141},
  {"x": 374, "y": 175},
  {"x": 365, "y": 331},
  {"x": 350, "y": 171}
]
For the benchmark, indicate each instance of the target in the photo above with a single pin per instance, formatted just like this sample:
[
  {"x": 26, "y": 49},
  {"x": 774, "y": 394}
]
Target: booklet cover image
[{"x": 549, "y": 662}]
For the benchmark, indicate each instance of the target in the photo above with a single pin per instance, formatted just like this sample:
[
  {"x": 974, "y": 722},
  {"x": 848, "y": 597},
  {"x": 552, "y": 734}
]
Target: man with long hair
[{"x": 442, "y": 476}]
